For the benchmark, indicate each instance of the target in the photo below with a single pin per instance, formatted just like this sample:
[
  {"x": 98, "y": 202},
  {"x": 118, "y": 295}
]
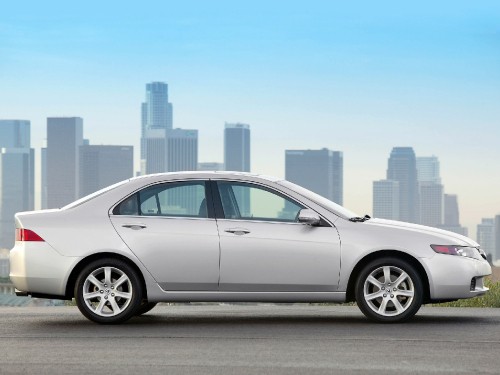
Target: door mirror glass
[{"x": 309, "y": 217}]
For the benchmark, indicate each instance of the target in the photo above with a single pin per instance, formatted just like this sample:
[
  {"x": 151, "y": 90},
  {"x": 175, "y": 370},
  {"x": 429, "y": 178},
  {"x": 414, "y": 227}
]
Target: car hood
[{"x": 454, "y": 238}]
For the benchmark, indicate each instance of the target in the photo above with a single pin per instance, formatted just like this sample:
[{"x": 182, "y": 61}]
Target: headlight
[{"x": 465, "y": 251}]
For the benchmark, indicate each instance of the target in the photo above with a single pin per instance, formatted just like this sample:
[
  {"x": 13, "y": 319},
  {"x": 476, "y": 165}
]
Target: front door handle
[
  {"x": 134, "y": 226},
  {"x": 237, "y": 231}
]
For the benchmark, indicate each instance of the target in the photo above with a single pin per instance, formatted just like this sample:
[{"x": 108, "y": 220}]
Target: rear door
[{"x": 171, "y": 228}]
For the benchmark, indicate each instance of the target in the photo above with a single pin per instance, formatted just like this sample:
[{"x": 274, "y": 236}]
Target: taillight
[{"x": 27, "y": 235}]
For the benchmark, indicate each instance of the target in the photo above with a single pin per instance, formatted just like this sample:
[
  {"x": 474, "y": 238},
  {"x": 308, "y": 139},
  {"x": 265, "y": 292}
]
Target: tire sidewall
[
  {"x": 412, "y": 273},
  {"x": 135, "y": 301}
]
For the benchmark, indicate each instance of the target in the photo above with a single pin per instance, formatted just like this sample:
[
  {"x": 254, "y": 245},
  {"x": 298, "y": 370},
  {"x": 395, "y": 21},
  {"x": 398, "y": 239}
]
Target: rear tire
[
  {"x": 389, "y": 290},
  {"x": 108, "y": 291}
]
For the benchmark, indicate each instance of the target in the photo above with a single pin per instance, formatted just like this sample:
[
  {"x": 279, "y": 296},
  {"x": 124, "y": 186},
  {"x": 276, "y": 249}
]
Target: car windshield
[
  {"x": 322, "y": 201},
  {"x": 93, "y": 195}
]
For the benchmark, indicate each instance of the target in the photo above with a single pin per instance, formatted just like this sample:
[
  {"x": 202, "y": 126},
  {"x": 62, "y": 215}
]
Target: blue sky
[{"x": 360, "y": 77}]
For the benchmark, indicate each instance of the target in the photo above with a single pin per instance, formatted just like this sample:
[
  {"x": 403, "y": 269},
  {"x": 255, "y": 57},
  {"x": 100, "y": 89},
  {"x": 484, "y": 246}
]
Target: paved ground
[{"x": 247, "y": 339}]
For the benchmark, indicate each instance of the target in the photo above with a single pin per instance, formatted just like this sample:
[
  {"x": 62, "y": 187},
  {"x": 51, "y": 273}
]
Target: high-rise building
[
  {"x": 402, "y": 168},
  {"x": 182, "y": 150},
  {"x": 452, "y": 216},
  {"x": 43, "y": 198},
  {"x": 210, "y": 166},
  {"x": 64, "y": 138},
  {"x": 431, "y": 203},
  {"x": 156, "y": 119},
  {"x": 386, "y": 199},
  {"x": 17, "y": 175},
  {"x": 237, "y": 147},
  {"x": 101, "y": 166},
  {"x": 320, "y": 171},
  {"x": 486, "y": 237},
  {"x": 154, "y": 146},
  {"x": 428, "y": 169}
]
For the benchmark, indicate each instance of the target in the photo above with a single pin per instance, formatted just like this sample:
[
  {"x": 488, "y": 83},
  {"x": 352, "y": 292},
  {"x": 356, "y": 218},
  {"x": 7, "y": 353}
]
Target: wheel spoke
[
  {"x": 382, "y": 307},
  {"x": 114, "y": 306},
  {"x": 400, "y": 279},
  {"x": 404, "y": 293},
  {"x": 125, "y": 295},
  {"x": 374, "y": 281},
  {"x": 91, "y": 295},
  {"x": 100, "y": 306},
  {"x": 91, "y": 278},
  {"x": 107, "y": 275},
  {"x": 369, "y": 297},
  {"x": 397, "y": 304},
  {"x": 120, "y": 281},
  {"x": 387, "y": 274}
]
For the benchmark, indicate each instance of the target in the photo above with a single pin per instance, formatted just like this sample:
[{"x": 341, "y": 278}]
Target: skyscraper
[
  {"x": 428, "y": 169},
  {"x": 16, "y": 176},
  {"x": 386, "y": 199},
  {"x": 156, "y": 119},
  {"x": 430, "y": 191},
  {"x": 486, "y": 237},
  {"x": 182, "y": 150},
  {"x": 101, "y": 166},
  {"x": 64, "y": 138},
  {"x": 402, "y": 168},
  {"x": 320, "y": 171},
  {"x": 452, "y": 216},
  {"x": 237, "y": 147}
]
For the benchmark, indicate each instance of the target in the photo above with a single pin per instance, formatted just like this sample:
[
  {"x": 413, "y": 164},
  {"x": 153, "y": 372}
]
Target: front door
[{"x": 264, "y": 248}]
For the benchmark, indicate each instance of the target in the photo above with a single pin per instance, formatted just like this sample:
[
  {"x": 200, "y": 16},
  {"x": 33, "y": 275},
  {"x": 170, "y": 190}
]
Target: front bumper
[
  {"x": 37, "y": 269},
  {"x": 456, "y": 277}
]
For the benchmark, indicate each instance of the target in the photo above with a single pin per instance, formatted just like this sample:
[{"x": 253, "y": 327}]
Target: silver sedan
[{"x": 234, "y": 237}]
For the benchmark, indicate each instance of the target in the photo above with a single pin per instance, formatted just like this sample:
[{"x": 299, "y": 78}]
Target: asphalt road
[{"x": 249, "y": 339}]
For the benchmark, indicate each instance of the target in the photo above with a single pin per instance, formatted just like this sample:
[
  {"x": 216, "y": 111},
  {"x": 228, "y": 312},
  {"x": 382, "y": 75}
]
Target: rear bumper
[
  {"x": 37, "y": 269},
  {"x": 455, "y": 277}
]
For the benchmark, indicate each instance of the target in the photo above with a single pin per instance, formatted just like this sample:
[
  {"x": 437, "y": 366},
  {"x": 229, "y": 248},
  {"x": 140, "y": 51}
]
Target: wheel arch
[
  {"x": 70, "y": 285},
  {"x": 350, "y": 292}
]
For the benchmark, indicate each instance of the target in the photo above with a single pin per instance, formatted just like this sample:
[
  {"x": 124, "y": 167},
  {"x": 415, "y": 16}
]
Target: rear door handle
[
  {"x": 237, "y": 231},
  {"x": 134, "y": 226}
]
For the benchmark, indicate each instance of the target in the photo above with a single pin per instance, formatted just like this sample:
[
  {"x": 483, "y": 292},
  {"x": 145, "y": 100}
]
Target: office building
[
  {"x": 64, "y": 138},
  {"x": 237, "y": 147},
  {"x": 101, "y": 166},
  {"x": 402, "y": 168},
  {"x": 17, "y": 175},
  {"x": 386, "y": 199},
  {"x": 452, "y": 215},
  {"x": 210, "y": 166},
  {"x": 431, "y": 203},
  {"x": 154, "y": 146},
  {"x": 320, "y": 171},
  {"x": 156, "y": 118},
  {"x": 428, "y": 169},
  {"x": 486, "y": 237},
  {"x": 182, "y": 150}
]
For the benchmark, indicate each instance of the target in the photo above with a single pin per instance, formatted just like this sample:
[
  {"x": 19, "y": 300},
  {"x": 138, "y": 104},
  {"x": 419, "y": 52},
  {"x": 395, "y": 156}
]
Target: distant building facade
[
  {"x": 402, "y": 168},
  {"x": 17, "y": 176},
  {"x": 101, "y": 166},
  {"x": 210, "y": 166},
  {"x": 182, "y": 150},
  {"x": 386, "y": 199},
  {"x": 452, "y": 215},
  {"x": 431, "y": 203},
  {"x": 320, "y": 171},
  {"x": 486, "y": 237},
  {"x": 237, "y": 147},
  {"x": 64, "y": 138}
]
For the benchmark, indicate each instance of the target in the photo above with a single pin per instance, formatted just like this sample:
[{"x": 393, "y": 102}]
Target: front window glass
[
  {"x": 252, "y": 202},
  {"x": 184, "y": 199}
]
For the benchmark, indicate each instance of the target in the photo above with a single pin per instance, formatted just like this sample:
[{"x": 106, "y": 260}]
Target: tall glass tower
[
  {"x": 237, "y": 147},
  {"x": 402, "y": 167}
]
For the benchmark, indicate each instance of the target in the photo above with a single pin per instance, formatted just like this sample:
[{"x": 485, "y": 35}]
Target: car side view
[{"x": 234, "y": 237}]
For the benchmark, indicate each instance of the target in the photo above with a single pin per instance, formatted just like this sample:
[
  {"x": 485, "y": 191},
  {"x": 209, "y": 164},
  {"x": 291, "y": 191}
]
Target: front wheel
[
  {"x": 389, "y": 290},
  {"x": 108, "y": 291},
  {"x": 145, "y": 307}
]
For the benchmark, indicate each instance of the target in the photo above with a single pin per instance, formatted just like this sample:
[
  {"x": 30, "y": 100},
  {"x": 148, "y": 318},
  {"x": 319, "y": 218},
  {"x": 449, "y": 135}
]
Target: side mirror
[{"x": 309, "y": 217}]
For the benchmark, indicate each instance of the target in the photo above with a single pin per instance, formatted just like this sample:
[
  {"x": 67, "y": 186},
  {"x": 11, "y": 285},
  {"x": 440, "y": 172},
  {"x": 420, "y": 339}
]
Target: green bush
[{"x": 490, "y": 299}]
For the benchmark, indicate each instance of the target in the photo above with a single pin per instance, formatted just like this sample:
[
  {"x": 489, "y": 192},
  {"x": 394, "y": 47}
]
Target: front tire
[
  {"x": 389, "y": 290},
  {"x": 145, "y": 307},
  {"x": 108, "y": 291}
]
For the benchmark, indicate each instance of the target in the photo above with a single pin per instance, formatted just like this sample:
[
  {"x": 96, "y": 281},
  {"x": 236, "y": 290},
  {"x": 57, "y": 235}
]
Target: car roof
[{"x": 205, "y": 174}]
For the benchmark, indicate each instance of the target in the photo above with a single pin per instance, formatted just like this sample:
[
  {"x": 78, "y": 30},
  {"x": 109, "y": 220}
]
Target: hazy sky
[{"x": 359, "y": 77}]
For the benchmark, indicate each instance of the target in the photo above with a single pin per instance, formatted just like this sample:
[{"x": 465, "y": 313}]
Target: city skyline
[{"x": 361, "y": 79}]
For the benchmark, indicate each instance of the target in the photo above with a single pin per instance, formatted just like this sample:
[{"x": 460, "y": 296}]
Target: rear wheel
[
  {"x": 145, "y": 307},
  {"x": 108, "y": 291},
  {"x": 389, "y": 290}
]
